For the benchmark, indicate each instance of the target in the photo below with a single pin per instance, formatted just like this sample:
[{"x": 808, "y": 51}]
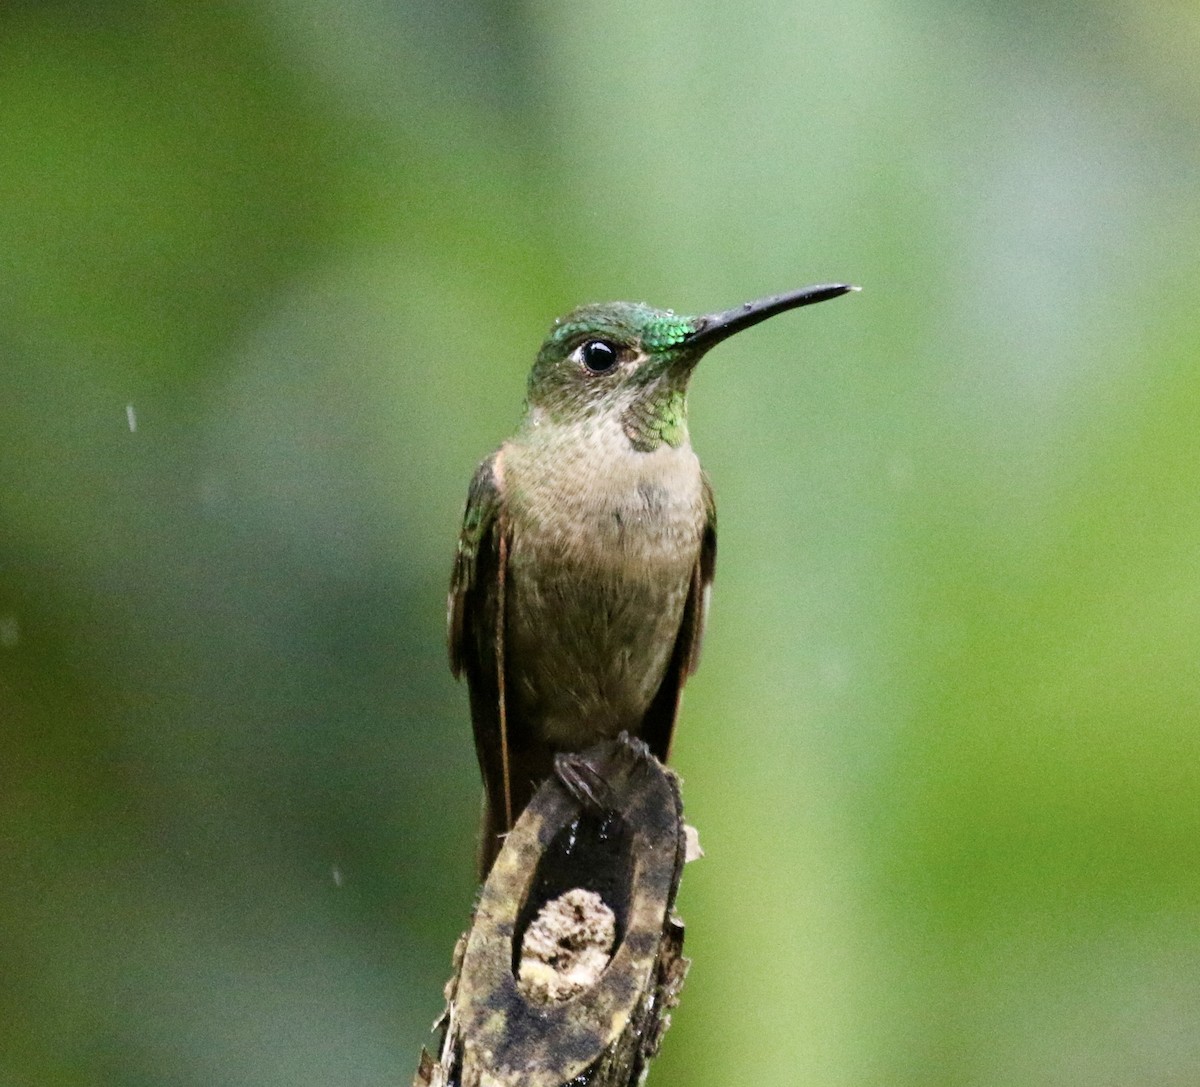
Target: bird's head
[{"x": 628, "y": 363}]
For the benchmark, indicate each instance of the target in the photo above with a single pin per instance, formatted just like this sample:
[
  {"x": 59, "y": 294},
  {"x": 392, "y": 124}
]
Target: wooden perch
[{"x": 574, "y": 955}]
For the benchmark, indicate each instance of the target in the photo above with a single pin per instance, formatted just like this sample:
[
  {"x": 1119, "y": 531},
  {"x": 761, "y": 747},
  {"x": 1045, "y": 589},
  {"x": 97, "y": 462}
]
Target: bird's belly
[{"x": 591, "y": 629}]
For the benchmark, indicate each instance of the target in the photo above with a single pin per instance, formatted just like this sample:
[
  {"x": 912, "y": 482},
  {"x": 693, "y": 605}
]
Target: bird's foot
[
  {"x": 581, "y": 779},
  {"x": 638, "y": 746}
]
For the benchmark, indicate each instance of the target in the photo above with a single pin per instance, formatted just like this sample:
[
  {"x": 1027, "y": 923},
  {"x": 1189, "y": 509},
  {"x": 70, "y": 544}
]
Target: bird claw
[
  {"x": 638, "y": 746},
  {"x": 583, "y": 782}
]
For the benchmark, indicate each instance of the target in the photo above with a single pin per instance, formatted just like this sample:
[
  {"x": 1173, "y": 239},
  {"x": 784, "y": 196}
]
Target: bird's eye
[{"x": 599, "y": 356}]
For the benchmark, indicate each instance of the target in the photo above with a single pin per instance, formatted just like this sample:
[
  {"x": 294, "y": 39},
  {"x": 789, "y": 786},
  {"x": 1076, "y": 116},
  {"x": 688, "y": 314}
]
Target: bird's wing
[
  {"x": 477, "y": 538},
  {"x": 659, "y": 723},
  {"x": 475, "y": 631}
]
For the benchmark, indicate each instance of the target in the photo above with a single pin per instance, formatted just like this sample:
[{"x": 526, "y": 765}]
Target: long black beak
[{"x": 716, "y": 327}]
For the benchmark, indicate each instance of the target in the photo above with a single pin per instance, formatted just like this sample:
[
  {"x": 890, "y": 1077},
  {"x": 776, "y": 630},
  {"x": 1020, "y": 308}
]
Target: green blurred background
[{"x": 271, "y": 275}]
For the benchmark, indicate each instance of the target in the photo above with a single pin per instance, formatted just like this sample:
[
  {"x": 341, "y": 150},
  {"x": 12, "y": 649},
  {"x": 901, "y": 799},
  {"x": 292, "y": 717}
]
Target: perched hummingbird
[{"x": 581, "y": 582}]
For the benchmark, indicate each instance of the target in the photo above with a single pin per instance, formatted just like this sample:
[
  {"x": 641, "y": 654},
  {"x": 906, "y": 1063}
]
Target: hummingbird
[{"x": 581, "y": 582}]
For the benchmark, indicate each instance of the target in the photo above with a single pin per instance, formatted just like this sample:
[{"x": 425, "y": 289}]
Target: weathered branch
[{"x": 574, "y": 956}]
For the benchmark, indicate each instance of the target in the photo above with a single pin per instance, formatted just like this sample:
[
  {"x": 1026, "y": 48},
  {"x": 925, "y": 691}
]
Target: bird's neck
[
  {"x": 559, "y": 472},
  {"x": 648, "y": 416}
]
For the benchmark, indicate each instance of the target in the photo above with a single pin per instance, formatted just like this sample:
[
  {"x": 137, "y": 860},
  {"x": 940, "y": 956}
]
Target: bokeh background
[{"x": 271, "y": 275}]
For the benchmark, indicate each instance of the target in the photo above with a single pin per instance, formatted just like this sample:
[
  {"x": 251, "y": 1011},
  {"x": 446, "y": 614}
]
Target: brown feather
[{"x": 658, "y": 726}]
